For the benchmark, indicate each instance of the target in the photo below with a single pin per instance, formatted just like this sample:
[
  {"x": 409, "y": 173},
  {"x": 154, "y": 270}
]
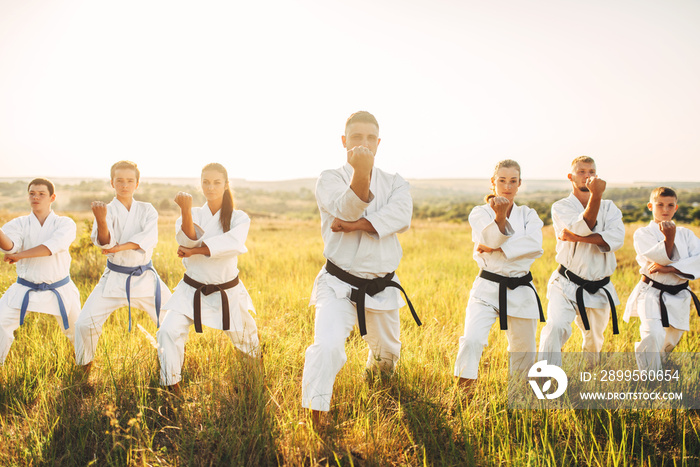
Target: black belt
[
  {"x": 590, "y": 287},
  {"x": 208, "y": 289},
  {"x": 673, "y": 290},
  {"x": 505, "y": 283},
  {"x": 369, "y": 287}
]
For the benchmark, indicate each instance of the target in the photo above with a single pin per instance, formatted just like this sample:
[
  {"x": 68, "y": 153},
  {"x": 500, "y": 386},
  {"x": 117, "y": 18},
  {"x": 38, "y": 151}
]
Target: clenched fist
[
  {"x": 99, "y": 209},
  {"x": 184, "y": 200},
  {"x": 500, "y": 206},
  {"x": 596, "y": 185},
  {"x": 361, "y": 159},
  {"x": 668, "y": 228}
]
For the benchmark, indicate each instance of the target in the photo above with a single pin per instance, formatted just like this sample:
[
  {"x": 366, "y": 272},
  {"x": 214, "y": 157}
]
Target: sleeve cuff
[
  {"x": 187, "y": 242},
  {"x": 580, "y": 227}
]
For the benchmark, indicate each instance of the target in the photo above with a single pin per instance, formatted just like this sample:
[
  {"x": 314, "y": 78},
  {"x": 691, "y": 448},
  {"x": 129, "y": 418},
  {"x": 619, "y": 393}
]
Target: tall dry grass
[{"x": 231, "y": 415}]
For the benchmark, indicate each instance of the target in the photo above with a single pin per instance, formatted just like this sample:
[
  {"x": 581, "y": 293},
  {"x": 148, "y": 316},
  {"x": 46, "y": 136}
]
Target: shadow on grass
[
  {"x": 394, "y": 420},
  {"x": 125, "y": 419}
]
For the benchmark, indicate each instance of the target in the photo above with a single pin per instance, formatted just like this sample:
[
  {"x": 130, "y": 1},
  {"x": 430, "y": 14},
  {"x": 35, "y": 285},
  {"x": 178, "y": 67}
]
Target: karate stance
[
  {"x": 589, "y": 230},
  {"x": 507, "y": 240},
  {"x": 127, "y": 232},
  {"x": 362, "y": 210},
  {"x": 38, "y": 244},
  {"x": 668, "y": 257},
  {"x": 210, "y": 239}
]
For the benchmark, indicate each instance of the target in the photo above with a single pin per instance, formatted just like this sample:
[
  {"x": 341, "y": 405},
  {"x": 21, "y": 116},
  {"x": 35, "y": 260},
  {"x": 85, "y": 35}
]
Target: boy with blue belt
[
  {"x": 38, "y": 244},
  {"x": 127, "y": 232}
]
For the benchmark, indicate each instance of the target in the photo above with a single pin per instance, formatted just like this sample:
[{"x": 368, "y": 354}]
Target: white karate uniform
[
  {"x": 657, "y": 341},
  {"x": 219, "y": 267},
  {"x": 363, "y": 255},
  {"x": 57, "y": 234},
  {"x": 138, "y": 225},
  {"x": 521, "y": 245},
  {"x": 589, "y": 262}
]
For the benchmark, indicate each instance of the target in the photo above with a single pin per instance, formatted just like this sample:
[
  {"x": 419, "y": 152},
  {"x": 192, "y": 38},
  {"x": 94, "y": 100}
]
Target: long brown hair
[
  {"x": 227, "y": 206},
  {"x": 505, "y": 163}
]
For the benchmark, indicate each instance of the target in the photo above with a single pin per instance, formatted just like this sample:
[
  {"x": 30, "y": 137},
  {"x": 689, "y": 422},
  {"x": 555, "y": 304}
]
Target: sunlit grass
[{"x": 229, "y": 415}]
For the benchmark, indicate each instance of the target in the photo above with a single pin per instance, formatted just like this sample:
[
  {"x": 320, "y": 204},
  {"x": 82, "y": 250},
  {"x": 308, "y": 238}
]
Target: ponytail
[{"x": 227, "y": 207}]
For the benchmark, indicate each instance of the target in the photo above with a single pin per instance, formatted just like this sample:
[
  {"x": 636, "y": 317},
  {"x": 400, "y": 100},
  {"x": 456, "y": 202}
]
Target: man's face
[
  {"x": 39, "y": 198},
  {"x": 663, "y": 208},
  {"x": 580, "y": 173},
  {"x": 125, "y": 182},
  {"x": 361, "y": 134}
]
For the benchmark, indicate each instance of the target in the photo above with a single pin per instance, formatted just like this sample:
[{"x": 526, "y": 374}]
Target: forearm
[
  {"x": 595, "y": 239},
  {"x": 201, "y": 250},
  {"x": 103, "y": 236},
  {"x": 5, "y": 242},
  {"x": 360, "y": 184},
  {"x": 668, "y": 244},
  {"x": 590, "y": 214},
  {"x": 361, "y": 224},
  {"x": 188, "y": 224},
  {"x": 501, "y": 223},
  {"x": 123, "y": 247},
  {"x": 184, "y": 252},
  {"x": 36, "y": 252}
]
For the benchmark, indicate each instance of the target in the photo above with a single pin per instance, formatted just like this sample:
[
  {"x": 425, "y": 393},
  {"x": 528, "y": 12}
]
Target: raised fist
[
  {"x": 500, "y": 206},
  {"x": 361, "y": 159},
  {"x": 668, "y": 228},
  {"x": 596, "y": 185},
  {"x": 99, "y": 209},
  {"x": 184, "y": 200}
]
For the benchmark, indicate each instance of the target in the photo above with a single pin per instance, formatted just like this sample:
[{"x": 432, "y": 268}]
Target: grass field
[{"x": 230, "y": 416}]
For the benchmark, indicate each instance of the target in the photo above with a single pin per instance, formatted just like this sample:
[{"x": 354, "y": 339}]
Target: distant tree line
[
  {"x": 301, "y": 203},
  {"x": 631, "y": 201}
]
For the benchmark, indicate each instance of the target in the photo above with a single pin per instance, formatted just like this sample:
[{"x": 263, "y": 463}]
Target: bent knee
[{"x": 327, "y": 349}]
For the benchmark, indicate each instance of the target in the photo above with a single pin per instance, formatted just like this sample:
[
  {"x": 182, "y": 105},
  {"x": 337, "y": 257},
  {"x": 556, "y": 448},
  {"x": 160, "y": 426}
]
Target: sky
[{"x": 265, "y": 87}]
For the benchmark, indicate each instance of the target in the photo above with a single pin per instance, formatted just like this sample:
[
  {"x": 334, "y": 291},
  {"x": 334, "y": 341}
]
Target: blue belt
[
  {"x": 137, "y": 271},
  {"x": 40, "y": 288}
]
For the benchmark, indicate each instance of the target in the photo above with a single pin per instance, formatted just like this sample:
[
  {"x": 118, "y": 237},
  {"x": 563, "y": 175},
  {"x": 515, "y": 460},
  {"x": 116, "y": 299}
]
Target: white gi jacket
[
  {"x": 650, "y": 248},
  {"x": 57, "y": 234},
  {"x": 360, "y": 253},
  {"x": 521, "y": 245},
  {"x": 138, "y": 225},
  {"x": 220, "y": 267},
  {"x": 586, "y": 260}
]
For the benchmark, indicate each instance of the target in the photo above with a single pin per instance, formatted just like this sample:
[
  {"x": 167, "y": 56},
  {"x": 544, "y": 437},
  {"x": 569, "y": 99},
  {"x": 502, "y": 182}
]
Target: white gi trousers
[
  {"x": 335, "y": 318},
  {"x": 480, "y": 317},
  {"x": 97, "y": 309},
  {"x": 9, "y": 322},
  {"x": 656, "y": 342},
  {"x": 174, "y": 332},
  {"x": 561, "y": 311}
]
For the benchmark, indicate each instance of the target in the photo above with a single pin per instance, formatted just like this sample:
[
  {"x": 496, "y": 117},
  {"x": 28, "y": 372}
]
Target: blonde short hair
[
  {"x": 662, "y": 191},
  {"x": 582, "y": 159}
]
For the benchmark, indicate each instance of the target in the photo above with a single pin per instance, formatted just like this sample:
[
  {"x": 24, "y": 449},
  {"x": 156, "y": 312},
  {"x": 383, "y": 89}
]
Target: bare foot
[
  {"x": 468, "y": 385},
  {"x": 85, "y": 371},
  {"x": 174, "y": 389},
  {"x": 316, "y": 419}
]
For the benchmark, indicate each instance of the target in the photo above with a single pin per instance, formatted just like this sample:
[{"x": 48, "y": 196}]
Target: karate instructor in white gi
[
  {"x": 589, "y": 230},
  {"x": 363, "y": 209}
]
